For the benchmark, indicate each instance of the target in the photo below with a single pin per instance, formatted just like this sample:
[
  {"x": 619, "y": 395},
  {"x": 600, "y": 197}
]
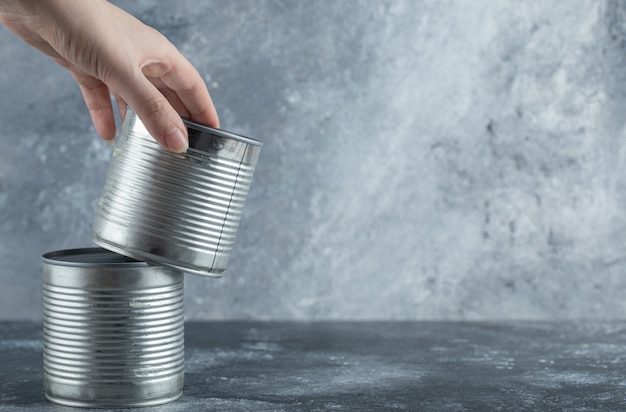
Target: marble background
[{"x": 422, "y": 159}]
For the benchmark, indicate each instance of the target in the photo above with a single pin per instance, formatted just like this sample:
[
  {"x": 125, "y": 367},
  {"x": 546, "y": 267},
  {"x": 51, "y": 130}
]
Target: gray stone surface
[
  {"x": 368, "y": 366},
  {"x": 422, "y": 160}
]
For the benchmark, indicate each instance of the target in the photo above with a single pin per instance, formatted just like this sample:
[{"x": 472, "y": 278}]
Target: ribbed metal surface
[
  {"x": 111, "y": 338},
  {"x": 181, "y": 210}
]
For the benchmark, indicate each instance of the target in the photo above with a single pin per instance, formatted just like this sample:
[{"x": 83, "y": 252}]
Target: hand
[{"x": 108, "y": 51}]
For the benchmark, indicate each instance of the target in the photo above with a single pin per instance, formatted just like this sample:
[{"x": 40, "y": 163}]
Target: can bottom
[
  {"x": 149, "y": 257},
  {"x": 111, "y": 403}
]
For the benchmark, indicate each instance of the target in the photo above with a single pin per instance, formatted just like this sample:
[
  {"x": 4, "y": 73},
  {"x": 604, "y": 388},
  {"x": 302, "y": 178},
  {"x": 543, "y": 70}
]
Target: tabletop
[{"x": 362, "y": 366}]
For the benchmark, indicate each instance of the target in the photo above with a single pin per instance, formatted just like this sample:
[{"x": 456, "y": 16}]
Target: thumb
[{"x": 159, "y": 117}]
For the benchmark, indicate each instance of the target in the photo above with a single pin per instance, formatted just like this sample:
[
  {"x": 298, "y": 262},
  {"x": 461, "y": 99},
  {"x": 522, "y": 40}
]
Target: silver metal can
[
  {"x": 113, "y": 330},
  {"x": 179, "y": 210}
]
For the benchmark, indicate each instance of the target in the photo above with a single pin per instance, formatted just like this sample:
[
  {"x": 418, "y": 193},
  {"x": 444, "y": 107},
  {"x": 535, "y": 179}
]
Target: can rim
[
  {"x": 221, "y": 133},
  {"x": 91, "y": 257}
]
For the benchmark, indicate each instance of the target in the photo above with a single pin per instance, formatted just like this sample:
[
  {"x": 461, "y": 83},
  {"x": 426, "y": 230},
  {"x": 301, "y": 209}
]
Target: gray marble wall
[{"x": 422, "y": 159}]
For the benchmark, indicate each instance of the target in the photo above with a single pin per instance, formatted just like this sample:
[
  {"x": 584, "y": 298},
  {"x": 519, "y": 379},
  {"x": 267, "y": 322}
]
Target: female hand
[{"x": 108, "y": 51}]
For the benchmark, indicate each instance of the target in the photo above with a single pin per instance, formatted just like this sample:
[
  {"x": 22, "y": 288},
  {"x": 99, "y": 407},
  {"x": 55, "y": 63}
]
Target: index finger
[{"x": 183, "y": 79}]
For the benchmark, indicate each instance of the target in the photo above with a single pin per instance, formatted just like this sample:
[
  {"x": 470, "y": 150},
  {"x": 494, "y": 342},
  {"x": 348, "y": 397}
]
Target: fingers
[
  {"x": 183, "y": 79},
  {"x": 171, "y": 96},
  {"x": 98, "y": 101},
  {"x": 157, "y": 105},
  {"x": 157, "y": 114},
  {"x": 162, "y": 93}
]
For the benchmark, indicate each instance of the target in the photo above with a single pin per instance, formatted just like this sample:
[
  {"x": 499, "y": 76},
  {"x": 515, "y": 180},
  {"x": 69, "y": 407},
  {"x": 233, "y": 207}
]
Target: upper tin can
[{"x": 176, "y": 209}]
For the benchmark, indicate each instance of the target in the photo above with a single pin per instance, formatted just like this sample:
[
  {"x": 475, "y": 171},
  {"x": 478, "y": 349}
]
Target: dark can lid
[
  {"x": 90, "y": 257},
  {"x": 198, "y": 132}
]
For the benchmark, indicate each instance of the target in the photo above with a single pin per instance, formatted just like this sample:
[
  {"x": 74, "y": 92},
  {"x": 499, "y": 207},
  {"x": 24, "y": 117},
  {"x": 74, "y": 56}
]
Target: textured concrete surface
[
  {"x": 367, "y": 366},
  {"x": 422, "y": 160}
]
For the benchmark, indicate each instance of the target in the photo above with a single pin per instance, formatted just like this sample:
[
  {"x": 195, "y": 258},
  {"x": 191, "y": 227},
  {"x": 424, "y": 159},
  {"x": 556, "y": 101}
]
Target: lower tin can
[
  {"x": 176, "y": 209},
  {"x": 113, "y": 330}
]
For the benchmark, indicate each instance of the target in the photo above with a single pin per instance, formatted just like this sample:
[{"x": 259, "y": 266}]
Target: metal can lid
[
  {"x": 210, "y": 131},
  {"x": 90, "y": 257}
]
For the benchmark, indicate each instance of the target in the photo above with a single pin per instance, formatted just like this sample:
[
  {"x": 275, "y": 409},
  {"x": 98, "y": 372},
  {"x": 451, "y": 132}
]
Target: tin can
[
  {"x": 179, "y": 210},
  {"x": 113, "y": 330}
]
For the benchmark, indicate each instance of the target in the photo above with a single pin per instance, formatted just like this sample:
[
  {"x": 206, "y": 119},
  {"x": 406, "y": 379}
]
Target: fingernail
[
  {"x": 109, "y": 143},
  {"x": 175, "y": 141}
]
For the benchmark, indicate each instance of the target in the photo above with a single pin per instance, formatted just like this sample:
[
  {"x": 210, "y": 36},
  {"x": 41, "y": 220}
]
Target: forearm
[
  {"x": 33, "y": 13},
  {"x": 19, "y": 10}
]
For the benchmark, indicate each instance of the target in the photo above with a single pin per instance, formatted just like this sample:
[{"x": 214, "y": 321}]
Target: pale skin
[{"x": 109, "y": 52}]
